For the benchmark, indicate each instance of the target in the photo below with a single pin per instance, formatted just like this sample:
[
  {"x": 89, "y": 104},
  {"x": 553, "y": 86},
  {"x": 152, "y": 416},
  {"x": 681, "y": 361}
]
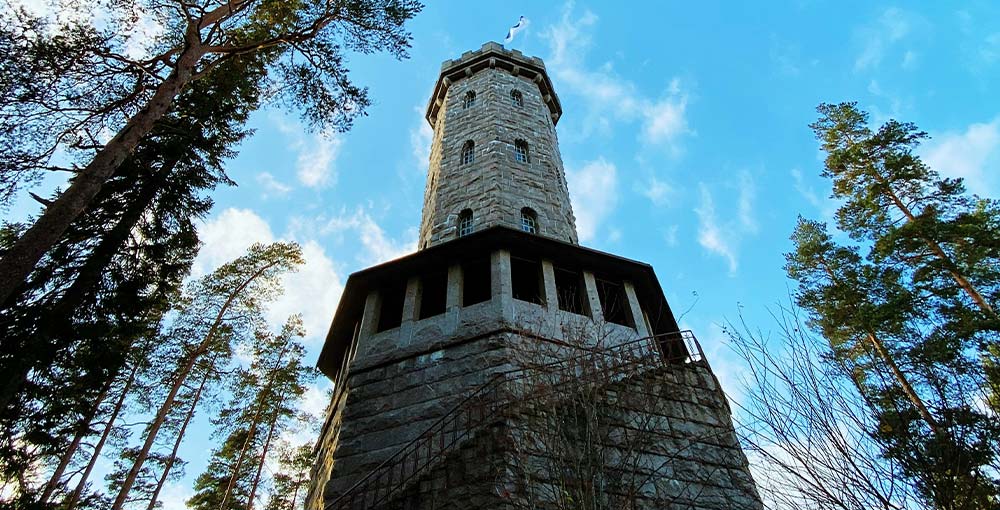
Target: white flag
[{"x": 521, "y": 23}]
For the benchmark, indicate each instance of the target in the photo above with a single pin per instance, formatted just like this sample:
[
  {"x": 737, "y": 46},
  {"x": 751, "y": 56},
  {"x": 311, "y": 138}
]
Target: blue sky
[{"x": 685, "y": 138}]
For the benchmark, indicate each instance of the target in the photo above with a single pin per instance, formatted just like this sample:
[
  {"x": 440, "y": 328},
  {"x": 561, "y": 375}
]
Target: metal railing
[{"x": 598, "y": 366}]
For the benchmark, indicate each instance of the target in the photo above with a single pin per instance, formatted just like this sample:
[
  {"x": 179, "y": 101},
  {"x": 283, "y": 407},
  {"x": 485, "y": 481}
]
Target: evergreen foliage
[{"x": 908, "y": 304}]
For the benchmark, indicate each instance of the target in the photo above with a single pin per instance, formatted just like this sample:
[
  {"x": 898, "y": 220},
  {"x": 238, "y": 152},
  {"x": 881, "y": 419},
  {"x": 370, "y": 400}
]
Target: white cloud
[
  {"x": 594, "y": 194},
  {"x": 316, "y": 153},
  {"x": 807, "y": 192},
  {"x": 175, "y": 495},
  {"x": 271, "y": 185},
  {"x": 421, "y": 137},
  {"x": 710, "y": 233},
  {"x": 747, "y": 194},
  {"x": 657, "y": 191},
  {"x": 312, "y": 291},
  {"x": 378, "y": 247},
  {"x": 877, "y": 38},
  {"x": 609, "y": 96},
  {"x": 724, "y": 237},
  {"x": 973, "y": 155}
]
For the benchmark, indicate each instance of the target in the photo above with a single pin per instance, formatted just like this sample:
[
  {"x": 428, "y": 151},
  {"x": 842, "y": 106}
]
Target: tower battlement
[{"x": 493, "y": 55}]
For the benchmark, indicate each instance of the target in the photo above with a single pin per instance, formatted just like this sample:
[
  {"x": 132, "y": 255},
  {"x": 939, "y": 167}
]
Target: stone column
[
  {"x": 549, "y": 282},
  {"x": 411, "y": 309},
  {"x": 369, "y": 319},
  {"x": 593, "y": 299},
  {"x": 633, "y": 305},
  {"x": 501, "y": 291}
]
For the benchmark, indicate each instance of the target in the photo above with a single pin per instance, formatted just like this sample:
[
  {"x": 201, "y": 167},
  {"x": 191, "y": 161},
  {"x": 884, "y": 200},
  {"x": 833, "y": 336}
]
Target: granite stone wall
[{"x": 495, "y": 186}]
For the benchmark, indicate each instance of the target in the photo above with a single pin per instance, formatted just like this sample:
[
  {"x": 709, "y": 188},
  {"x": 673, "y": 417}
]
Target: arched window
[
  {"x": 469, "y": 100},
  {"x": 516, "y": 98},
  {"x": 529, "y": 221},
  {"x": 465, "y": 226},
  {"x": 468, "y": 152},
  {"x": 520, "y": 151}
]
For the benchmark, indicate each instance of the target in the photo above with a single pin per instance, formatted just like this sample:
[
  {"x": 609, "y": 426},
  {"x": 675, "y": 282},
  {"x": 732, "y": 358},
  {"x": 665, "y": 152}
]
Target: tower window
[
  {"x": 521, "y": 151},
  {"x": 433, "y": 293},
  {"x": 529, "y": 221},
  {"x": 570, "y": 289},
  {"x": 516, "y": 98},
  {"x": 469, "y": 100},
  {"x": 465, "y": 226},
  {"x": 390, "y": 314},
  {"x": 614, "y": 302},
  {"x": 476, "y": 281},
  {"x": 468, "y": 152},
  {"x": 526, "y": 280}
]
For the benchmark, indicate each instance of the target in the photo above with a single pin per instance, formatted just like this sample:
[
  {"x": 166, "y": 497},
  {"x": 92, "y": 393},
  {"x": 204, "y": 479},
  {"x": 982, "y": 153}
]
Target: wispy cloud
[
  {"x": 594, "y": 193},
  {"x": 316, "y": 153},
  {"x": 272, "y": 186},
  {"x": 658, "y": 191},
  {"x": 973, "y": 155},
  {"x": 710, "y": 233},
  {"x": 609, "y": 96},
  {"x": 723, "y": 238},
  {"x": 377, "y": 246},
  {"x": 312, "y": 291},
  {"x": 877, "y": 38}
]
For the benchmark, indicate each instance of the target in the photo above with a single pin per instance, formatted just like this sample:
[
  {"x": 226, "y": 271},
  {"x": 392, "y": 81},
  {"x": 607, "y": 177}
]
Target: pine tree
[
  {"x": 263, "y": 404},
  {"x": 909, "y": 305},
  {"x": 63, "y": 86},
  {"x": 291, "y": 482},
  {"x": 220, "y": 310}
]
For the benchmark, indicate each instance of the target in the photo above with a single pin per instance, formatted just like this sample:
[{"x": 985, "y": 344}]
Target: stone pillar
[
  {"x": 411, "y": 309},
  {"x": 549, "y": 282},
  {"x": 501, "y": 291},
  {"x": 369, "y": 319},
  {"x": 593, "y": 299},
  {"x": 636, "y": 310},
  {"x": 453, "y": 299}
]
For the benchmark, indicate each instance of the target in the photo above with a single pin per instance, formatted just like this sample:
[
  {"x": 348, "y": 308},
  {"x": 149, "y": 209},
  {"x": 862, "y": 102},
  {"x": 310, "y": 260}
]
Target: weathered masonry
[{"x": 475, "y": 372}]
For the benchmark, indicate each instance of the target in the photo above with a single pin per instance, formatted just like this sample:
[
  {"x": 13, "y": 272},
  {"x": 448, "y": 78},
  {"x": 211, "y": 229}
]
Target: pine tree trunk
[
  {"x": 82, "y": 484},
  {"x": 18, "y": 262},
  {"x": 939, "y": 252},
  {"x": 182, "y": 374},
  {"x": 253, "y": 428},
  {"x": 263, "y": 458},
  {"x": 61, "y": 311},
  {"x": 900, "y": 377},
  {"x": 180, "y": 437},
  {"x": 82, "y": 430}
]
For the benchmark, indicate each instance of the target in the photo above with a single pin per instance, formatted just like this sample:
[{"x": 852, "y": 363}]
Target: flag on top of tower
[{"x": 521, "y": 23}]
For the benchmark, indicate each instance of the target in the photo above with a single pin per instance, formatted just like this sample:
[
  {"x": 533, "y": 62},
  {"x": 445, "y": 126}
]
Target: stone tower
[{"x": 475, "y": 372}]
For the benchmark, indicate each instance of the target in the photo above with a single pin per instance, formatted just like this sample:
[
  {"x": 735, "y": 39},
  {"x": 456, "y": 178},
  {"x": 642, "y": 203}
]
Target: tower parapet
[{"x": 495, "y": 155}]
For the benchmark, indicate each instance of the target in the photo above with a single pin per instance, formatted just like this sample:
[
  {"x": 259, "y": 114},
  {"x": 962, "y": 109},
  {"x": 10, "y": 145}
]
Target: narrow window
[
  {"x": 465, "y": 226},
  {"x": 390, "y": 314},
  {"x": 521, "y": 151},
  {"x": 469, "y": 100},
  {"x": 468, "y": 152},
  {"x": 529, "y": 221},
  {"x": 526, "y": 280},
  {"x": 433, "y": 293},
  {"x": 570, "y": 289},
  {"x": 476, "y": 281},
  {"x": 516, "y": 98},
  {"x": 614, "y": 302}
]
